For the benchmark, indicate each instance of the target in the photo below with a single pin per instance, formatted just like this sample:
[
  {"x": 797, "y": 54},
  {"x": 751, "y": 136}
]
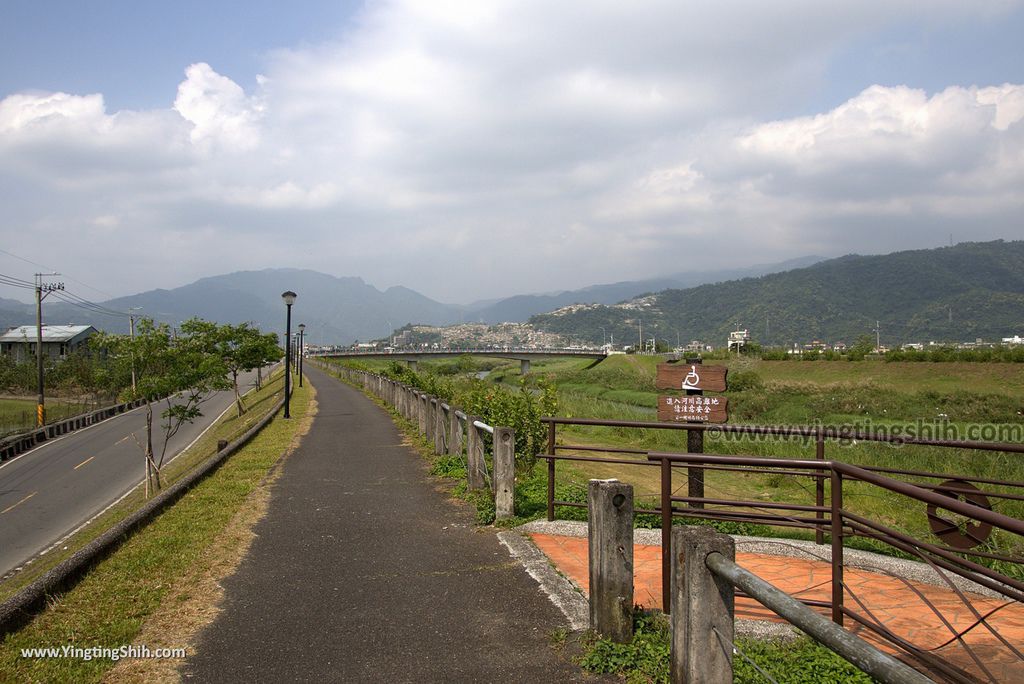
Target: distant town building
[
  {"x": 58, "y": 341},
  {"x": 738, "y": 339},
  {"x": 1015, "y": 340},
  {"x": 696, "y": 347}
]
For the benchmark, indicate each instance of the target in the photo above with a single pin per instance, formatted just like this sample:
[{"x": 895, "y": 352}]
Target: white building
[{"x": 58, "y": 340}]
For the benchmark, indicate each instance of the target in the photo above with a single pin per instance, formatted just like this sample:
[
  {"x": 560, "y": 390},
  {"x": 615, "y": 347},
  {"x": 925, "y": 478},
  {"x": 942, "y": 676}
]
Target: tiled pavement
[{"x": 901, "y": 605}]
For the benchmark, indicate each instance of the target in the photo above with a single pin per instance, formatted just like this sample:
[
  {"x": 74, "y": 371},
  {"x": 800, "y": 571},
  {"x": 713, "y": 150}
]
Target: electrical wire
[
  {"x": 86, "y": 305},
  {"x": 99, "y": 308},
  {"x": 16, "y": 282},
  {"x": 33, "y": 263}
]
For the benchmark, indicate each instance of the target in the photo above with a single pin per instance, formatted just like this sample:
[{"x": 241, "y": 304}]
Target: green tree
[
  {"x": 179, "y": 372},
  {"x": 240, "y": 348}
]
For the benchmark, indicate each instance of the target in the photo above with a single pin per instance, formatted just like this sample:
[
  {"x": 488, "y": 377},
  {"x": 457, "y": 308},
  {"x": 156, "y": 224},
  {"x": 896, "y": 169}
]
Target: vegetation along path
[{"x": 362, "y": 571}]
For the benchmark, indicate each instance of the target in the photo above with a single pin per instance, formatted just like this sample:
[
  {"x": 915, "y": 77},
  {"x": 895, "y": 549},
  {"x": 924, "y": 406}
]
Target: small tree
[
  {"x": 240, "y": 348},
  {"x": 180, "y": 372}
]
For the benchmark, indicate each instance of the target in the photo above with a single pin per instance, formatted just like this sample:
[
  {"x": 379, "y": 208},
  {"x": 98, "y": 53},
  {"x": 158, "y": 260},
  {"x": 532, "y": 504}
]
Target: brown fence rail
[{"x": 958, "y": 509}]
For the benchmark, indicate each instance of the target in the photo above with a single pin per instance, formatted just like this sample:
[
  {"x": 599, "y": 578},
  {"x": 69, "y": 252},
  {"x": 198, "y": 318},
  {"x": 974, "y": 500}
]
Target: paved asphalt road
[
  {"x": 49, "y": 491},
  {"x": 362, "y": 571}
]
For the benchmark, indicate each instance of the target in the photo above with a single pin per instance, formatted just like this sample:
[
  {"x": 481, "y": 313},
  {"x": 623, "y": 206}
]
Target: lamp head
[
  {"x": 289, "y": 297},
  {"x": 302, "y": 327}
]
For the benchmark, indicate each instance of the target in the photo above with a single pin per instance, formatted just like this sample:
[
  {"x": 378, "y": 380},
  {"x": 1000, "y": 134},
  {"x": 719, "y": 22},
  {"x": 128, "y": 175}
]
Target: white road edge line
[{"x": 121, "y": 498}]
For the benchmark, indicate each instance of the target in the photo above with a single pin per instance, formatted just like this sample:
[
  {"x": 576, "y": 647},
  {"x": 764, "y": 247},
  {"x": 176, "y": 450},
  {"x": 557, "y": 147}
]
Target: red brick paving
[{"x": 902, "y": 606}]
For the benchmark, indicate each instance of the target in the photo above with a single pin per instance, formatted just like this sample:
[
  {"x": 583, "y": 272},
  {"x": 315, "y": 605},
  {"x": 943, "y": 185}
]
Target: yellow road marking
[
  {"x": 19, "y": 503},
  {"x": 84, "y": 462}
]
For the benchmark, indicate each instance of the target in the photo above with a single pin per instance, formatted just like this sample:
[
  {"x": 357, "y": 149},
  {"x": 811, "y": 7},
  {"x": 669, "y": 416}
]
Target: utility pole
[
  {"x": 131, "y": 332},
  {"x": 641, "y": 322},
  {"x": 41, "y": 292},
  {"x": 878, "y": 336}
]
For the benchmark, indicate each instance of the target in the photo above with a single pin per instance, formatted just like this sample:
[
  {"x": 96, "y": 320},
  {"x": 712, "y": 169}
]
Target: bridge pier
[
  {"x": 524, "y": 366},
  {"x": 412, "y": 365}
]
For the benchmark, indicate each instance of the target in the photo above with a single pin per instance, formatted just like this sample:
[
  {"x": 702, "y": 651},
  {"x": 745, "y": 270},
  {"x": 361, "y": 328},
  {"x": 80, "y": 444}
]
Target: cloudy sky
[{"x": 479, "y": 149}]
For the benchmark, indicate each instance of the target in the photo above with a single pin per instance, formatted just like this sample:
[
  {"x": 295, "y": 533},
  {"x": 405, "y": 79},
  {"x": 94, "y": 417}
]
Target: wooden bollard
[
  {"x": 610, "y": 536},
  {"x": 702, "y": 604}
]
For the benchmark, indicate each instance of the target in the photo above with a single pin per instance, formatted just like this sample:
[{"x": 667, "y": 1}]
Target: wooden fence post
[
  {"x": 610, "y": 536},
  {"x": 702, "y": 604},
  {"x": 438, "y": 427},
  {"x": 504, "y": 472},
  {"x": 474, "y": 455},
  {"x": 454, "y": 433}
]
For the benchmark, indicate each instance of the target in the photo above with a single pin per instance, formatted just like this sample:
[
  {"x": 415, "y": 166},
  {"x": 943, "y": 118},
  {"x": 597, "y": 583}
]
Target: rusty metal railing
[{"x": 963, "y": 547}]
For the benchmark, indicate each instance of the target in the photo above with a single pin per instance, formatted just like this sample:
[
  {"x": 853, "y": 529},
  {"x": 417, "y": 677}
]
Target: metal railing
[{"x": 963, "y": 547}]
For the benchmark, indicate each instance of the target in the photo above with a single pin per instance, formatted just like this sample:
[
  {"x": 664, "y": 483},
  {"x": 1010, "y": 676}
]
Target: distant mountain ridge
[
  {"x": 959, "y": 293},
  {"x": 520, "y": 307},
  {"x": 336, "y": 310}
]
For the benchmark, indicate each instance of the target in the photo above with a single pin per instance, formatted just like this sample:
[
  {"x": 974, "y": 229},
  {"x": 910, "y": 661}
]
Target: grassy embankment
[
  {"x": 165, "y": 575},
  {"x": 871, "y": 394}
]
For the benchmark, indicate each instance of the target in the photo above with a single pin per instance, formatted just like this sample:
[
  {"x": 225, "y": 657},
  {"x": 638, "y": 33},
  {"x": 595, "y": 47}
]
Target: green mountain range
[{"x": 960, "y": 293}]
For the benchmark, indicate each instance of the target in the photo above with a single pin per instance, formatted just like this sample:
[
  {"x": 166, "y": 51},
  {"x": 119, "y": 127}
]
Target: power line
[
  {"x": 15, "y": 282},
  {"x": 86, "y": 305},
  {"x": 48, "y": 268},
  {"x": 98, "y": 307}
]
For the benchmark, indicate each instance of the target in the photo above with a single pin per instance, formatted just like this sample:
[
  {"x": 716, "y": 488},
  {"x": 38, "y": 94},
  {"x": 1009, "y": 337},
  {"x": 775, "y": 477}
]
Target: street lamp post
[
  {"x": 289, "y": 299},
  {"x": 302, "y": 338}
]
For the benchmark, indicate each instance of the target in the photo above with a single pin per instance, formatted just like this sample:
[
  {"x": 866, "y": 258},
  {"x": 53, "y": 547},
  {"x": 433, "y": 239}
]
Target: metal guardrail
[
  {"x": 960, "y": 548},
  {"x": 851, "y": 647}
]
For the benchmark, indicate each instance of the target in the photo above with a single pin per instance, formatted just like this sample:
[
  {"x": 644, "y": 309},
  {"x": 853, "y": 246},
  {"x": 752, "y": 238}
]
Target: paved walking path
[
  {"x": 363, "y": 572},
  {"x": 902, "y": 605}
]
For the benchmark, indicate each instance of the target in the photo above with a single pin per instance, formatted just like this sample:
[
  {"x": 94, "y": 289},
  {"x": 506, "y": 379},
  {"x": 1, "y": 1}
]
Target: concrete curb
[
  {"x": 562, "y": 592},
  {"x": 20, "y": 608}
]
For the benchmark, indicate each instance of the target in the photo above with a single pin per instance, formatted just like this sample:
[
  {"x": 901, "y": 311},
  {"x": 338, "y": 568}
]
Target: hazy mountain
[
  {"x": 964, "y": 292},
  {"x": 521, "y": 307},
  {"x": 334, "y": 309}
]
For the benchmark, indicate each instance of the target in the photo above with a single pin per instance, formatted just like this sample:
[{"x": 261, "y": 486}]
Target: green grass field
[
  {"x": 869, "y": 394},
  {"x": 17, "y": 414}
]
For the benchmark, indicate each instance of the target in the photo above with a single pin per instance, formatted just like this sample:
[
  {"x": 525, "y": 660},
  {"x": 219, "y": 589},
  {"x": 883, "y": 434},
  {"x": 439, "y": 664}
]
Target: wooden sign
[
  {"x": 693, "y": 409},
  {"x": 689, "y": 376}
]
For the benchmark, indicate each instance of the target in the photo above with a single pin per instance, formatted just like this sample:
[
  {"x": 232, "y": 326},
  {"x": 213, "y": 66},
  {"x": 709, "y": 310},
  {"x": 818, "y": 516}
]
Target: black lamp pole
[
  {"x": 302, "y": 340},
  {"x": 289, "y": 299}
]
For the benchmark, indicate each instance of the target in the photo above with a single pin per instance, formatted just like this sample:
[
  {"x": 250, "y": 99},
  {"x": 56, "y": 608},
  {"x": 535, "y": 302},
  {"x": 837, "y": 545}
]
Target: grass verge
[
  {"x": 646, "y": 659},
  {"x": 161, "y": 571}
]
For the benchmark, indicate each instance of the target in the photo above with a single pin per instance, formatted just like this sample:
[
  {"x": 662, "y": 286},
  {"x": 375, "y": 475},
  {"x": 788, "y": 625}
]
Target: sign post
[{"x": 693, "y": 407}]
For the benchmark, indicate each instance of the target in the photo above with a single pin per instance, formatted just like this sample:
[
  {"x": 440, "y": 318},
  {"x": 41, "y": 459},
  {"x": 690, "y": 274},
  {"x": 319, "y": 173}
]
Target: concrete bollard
[
  {"x": 504, "y": 472},
  {"x": 439, "y": 424},
  {"x": 610, "y": 537},
  {"x": 702, "y": 604},
  {"x": 474, "y": 455}
]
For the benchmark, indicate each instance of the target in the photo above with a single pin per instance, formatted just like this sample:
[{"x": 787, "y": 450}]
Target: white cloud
[
  {"x": 218, "y": 109},
  {"x": 473, "y": 151}
]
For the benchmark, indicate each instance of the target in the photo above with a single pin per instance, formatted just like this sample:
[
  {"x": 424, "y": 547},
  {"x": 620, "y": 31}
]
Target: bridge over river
[{"x": 521, "y": 354}]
